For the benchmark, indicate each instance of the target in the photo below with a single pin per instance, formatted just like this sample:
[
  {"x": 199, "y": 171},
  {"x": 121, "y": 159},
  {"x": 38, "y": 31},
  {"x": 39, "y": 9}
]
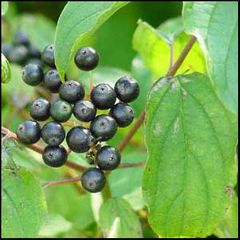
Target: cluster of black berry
[
  {"x": 21, "y": 51},
  {"x": 72, "y": 100}
]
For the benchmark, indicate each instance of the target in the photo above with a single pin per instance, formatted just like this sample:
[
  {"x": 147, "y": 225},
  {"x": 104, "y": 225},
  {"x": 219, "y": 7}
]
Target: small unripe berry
[{"x": 61, "y": 110}]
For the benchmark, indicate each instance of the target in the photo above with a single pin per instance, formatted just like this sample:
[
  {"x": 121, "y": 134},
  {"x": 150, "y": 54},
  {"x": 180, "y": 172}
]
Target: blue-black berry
[
  {"x": 103, "y": 96},
  {"x": 103, "y": 127},
  {"x": 40, "y": 109},
  {"x": 53, "y": 133},
  {"x": 54, "y": 156},
  {"x": 48, "y": 55},
  {"x": 93, "y": 180},
  {"x": 32, "y": 74},
  {"x": 79, "y": 139},
  {"x": 127, "y": 89},
  {"x": 18, "y": 55},
  {"x": 21, "y": 38},
  {"x": 28, "y": 132},
  {"x": 108, "y": 158},
  {"x": 123, "y": 114},
  {"x": 52, "y": 80},
  {"x": 71, "y": 91},
  {"x": 86, "y": 58},
  {"x": 84, "y": 111}
]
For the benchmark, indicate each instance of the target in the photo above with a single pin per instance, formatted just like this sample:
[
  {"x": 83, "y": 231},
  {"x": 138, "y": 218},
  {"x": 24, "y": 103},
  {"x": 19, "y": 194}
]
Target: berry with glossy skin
[
  {"x": 54, "y": 156},
  {"x": 53, "y": 133},
  {"x": 103, "y": 96},
  {"x": 127, "y": 89},
  {"x": 35, "y": 61},
  {"x": 71, "y": 91},
  {"x": 108, "y": 158},
  {"x": 21, "y": 38},
  {"x": 52, "y": 80},
  {"x": 40, "y": 109},
  {"x": 123, "y": 114},
  {"x": 86, "y": 58},
  {"x": 28, "y": 132},
  {"x": 103, "y": 127},
  {"x": 61, "y": 110},
  {"x": 48, "y": 55},
  {"x": 84, "y": 111},
  {"x": 79, "y": 139},
  {"x": 93, "y": 180},
  {"x": 6, "y": 49},
  {"x": 32, "y": 74},
  {"x": 18, "y": 55}
]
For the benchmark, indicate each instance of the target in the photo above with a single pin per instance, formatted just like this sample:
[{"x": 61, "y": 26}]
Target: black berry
[
  {"x": 18, "y": 55},
  {"x": 93, "y": 180},
  {"x": 28, "y": 132},
  {"x": 79, "y": 139},
  {"x": 103, "y": 127},
  {"x": 21, "y": 38},
  {"x": 40, "y": 109},
  {"x": 86, "y": 58},
  {"x": 127, "y": 89},
  {"x": 33, "y": 52},
  {"x": 103, "y": 96},
  {"x": 61, "y": 110},
  {"x": 71, "y": 91},
  {"x": 54, "y": 156},
  {"x": 32, "y": 74},
  {"x": 52, "y": 80},
  {"x": 84, "y": 110},
  {"x": 53, "y": 133},
  {"x": 123, "y": 114},
  {"x": 48, "y": 55},
  {"x": 6, "y": 49},
  {"x": 108, "y": 158}
]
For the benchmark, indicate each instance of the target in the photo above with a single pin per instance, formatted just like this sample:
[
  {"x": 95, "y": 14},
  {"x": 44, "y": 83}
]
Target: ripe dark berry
[
  {"x": 48, "y": 55},
  {"x": 28, "y": 132},
  {"x": 61, "y": 110},
  {"x": 103, "y": 96},
  {"x": 71, "y": 91},
  {"x": 33, "y": 52},
  {"x": 53, "y": 133},
  {"x": 86, "y": 58},
  {"x": 54, "y": 156},
  {"x": 32, "y": 74},
  {"x": 93, "y": 180},
  {"x": 18, "y": 55},
  {"x": 123, "y": 114},
  {"x": 127, "y": 89},
  {"x": 108, "y": 158},
  {"x": 35, "y": 61},
  {"x": 79, "y": 139},
  {"x": 103, "y": 127},
  {"x": 21, "y": 38},
  {"x": 52, "y": 80},
  {"x": 40, "y": 109},
  {"x": 84, "y": 110},
  {"x": 6, "y": 49}
]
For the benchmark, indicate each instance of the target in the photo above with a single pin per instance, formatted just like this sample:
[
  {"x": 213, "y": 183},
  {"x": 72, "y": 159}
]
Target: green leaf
[
  {"x": 191, "y": 140},
  {"x": 215, "y": 24},
  {"x": 229, "y": 226},
  {"x": 154, "y": 47},
  {"x": 23, "y": 205},
  {"x": 55, "y": 226},
  {"x": 118, "y": 220},
  {"x": 5, "y": 70},
  {"x": 4, "y": 7},
  {"x": 40, "y": 36},
  {"x": 77, "y": 22},
  {"x": 126, "y": 183}
]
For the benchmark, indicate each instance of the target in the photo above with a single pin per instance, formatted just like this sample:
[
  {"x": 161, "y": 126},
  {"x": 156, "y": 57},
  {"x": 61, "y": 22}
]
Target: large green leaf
[
  {"x": 23, "y": 205},
  {"x": 215, "y": 24},
  {"x": 118, "y": 220},
  {"x": 154, "y": 46},
  {"x": 40, "y": 29},
  {"x": 228, "y": 228},
  {"x": 191, "y": 140},
  {"x": 77, "y": 22}
]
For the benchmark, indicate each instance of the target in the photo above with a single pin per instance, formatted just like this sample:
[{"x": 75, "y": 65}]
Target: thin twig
[
  {"x": 62, "y": 181},
  {"x": 171, "y": 72},
  {"x": 171, "y": 56}
]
